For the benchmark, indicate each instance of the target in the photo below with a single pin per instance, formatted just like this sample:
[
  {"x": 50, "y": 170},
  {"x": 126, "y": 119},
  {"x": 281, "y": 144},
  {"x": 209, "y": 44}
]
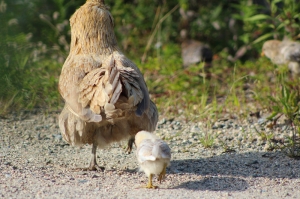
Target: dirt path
[{"x": 36, "y": 163}]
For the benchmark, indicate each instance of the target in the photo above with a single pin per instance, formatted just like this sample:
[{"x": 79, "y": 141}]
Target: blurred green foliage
[{"x": 35, "y": 37}]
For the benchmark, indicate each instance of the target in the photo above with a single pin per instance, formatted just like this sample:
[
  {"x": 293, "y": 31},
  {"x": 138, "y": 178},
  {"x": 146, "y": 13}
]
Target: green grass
[
  {"x": 207, "y": 141},
  {"x": 189, "y": 94},
  {"x": 27, "y": 85}
]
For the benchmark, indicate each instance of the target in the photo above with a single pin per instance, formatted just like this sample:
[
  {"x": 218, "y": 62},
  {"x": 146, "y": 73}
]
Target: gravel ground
[{"x": 36, "y": 163}]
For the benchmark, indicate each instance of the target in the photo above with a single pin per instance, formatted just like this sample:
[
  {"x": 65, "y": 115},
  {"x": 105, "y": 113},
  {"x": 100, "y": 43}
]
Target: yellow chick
[{"x": 153, "y": 155}]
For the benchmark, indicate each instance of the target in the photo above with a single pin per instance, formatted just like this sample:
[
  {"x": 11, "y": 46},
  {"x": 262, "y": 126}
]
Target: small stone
[
  {"x": 82, "y": 181},
  {"x": 215, "y": 127},
  {"x": 195, "y": 129},
  {"x": 221, "y": 126},
  {"x": 7, "y": 163},
  {"x": 8, "y": 175},
  {"x": 57, "y": 137},
  {"x": 261, "y": 120},
  {"x": 162, "y": 121}
]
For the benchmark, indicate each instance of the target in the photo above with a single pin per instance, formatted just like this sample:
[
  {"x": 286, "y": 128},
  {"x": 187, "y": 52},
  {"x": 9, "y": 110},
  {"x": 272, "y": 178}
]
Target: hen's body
[{"x": 106, "y": 98}]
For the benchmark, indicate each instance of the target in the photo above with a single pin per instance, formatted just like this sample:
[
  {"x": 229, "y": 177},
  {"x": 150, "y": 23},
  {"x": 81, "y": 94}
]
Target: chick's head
[{"x": 142, "y": 135}]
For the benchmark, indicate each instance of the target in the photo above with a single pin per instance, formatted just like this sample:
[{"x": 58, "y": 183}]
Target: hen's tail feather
[
  {"x": 152, "y": 114},
  {"x": 73, "y": 129}
]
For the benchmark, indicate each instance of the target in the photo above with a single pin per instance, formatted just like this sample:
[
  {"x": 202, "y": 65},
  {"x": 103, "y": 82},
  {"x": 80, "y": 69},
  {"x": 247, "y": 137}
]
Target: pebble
[
  {"x": 195, "y": 129},
  {"x": 57, "y": 137}
]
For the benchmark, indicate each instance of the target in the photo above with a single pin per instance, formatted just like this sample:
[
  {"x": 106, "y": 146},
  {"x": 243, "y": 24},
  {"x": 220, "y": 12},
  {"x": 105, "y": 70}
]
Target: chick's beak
[{"x": 262, "y": 54}]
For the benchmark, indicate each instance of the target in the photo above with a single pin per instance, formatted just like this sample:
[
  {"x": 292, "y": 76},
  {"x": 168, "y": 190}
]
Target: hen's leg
[
  {"x": 93, "y": 164},
  {"x": 130, "y": 145}
]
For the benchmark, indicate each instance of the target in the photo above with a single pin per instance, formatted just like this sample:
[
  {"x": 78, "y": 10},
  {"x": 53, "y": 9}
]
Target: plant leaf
[
  {"x": 262, "y": 38},
  {"x": 258, "y": 17}
]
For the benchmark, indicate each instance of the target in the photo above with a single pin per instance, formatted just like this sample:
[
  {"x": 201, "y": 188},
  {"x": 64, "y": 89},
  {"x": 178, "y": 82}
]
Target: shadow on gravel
[
  {"x": 235, "y": 165},
  {"x": 216, "y": 184}
]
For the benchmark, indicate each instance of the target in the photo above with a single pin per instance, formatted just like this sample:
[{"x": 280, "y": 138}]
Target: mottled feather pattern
[
  {"x": 100, "y": 86},
  {"x": 104, "y": 85}
]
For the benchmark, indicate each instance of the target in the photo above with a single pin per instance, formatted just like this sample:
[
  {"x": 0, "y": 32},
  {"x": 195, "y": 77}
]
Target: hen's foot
[
  {"x": 130, "y": 145},
  {"x": 94, "y": 168}
]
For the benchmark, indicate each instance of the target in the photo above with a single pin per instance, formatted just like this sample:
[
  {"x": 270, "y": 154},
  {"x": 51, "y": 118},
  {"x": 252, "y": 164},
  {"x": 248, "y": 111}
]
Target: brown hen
[{"x": 106, "y": 97}]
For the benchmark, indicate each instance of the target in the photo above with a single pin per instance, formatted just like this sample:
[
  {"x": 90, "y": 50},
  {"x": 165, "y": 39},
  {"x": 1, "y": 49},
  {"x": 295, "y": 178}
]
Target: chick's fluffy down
[{"x": 152, "y": 153}]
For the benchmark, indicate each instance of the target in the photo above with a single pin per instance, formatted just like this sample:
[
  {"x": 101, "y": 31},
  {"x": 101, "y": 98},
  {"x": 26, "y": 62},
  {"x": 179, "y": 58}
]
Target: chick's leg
[
  {"x": 163, "y": 173},
  {"x": 150, "y": 185}
]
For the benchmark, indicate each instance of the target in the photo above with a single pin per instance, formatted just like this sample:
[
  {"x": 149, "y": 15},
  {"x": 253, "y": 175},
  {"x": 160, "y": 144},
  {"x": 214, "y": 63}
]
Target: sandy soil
[{"x": 36, "y": 163}]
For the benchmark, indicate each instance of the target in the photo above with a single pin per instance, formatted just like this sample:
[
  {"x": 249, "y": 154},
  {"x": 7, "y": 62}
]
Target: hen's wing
[
  {"x": 74, "y": 70},
  {"x": 92, "y": 88},
  {"x": 101, "y": 88},
  {"x": 143, "y": 103}
]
